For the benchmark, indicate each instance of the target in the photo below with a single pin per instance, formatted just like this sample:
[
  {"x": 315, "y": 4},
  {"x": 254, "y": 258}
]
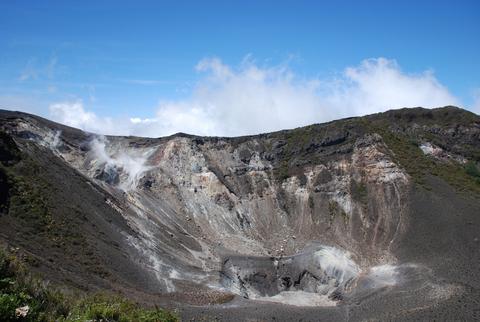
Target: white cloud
[
  {"x": 73, "y": 114},
  {"x": 137, "y": 120},
  {"x": 379, "y": 84},
  {"x": 251, "y": 99}
]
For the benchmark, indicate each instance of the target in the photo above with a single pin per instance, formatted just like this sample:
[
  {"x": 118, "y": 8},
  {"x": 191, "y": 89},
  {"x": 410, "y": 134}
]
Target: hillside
[{"x": 376, "y": 217}]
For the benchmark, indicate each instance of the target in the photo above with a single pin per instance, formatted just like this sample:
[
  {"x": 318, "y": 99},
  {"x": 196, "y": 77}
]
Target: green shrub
[
  {"x": 472, "y": 170},
  {"x": 115, "y": 308}
]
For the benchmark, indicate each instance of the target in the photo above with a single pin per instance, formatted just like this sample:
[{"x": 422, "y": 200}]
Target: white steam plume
[{"x": 130, "y": 165}]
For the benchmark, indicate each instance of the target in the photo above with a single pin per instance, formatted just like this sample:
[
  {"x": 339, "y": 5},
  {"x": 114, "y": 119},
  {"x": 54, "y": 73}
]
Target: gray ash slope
[{"x": 375, "y": 217}]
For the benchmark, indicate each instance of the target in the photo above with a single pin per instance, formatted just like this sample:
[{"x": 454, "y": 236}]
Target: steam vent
[{"x": 370, "y": 218}]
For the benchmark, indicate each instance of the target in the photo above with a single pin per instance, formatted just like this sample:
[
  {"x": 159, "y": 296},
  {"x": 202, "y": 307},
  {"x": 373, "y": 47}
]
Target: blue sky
[{"x": 155, "y": 67}]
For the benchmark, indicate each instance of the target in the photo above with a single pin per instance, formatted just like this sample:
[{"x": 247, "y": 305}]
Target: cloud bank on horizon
[{"x": 251, "y": 99}]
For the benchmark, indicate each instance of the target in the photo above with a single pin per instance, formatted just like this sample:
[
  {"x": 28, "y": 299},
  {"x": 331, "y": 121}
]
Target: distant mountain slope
[{"x": 343, "y": 218}]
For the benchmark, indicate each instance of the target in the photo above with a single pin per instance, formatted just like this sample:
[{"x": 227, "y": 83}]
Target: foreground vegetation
[{"x": 25, "y": 298}]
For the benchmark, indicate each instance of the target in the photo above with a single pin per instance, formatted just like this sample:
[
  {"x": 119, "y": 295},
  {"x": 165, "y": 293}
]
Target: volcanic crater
[{"x": 352, "y": 219}]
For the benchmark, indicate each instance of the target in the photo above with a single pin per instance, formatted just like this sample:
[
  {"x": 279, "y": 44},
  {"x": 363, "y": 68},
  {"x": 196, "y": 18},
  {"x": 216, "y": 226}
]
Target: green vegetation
[
  {"x": 114, "y": 308},
  {"x": 407, "y": 154},
  {"x": 297, "y": 144},
  {"x": 282, "y": 171},
  {"x": 472, "y": 170},
  {"x": 359, "y": 192},
  {"x": 9, "y": 152},
  {"x": 18, "y": 289},
  {"x": 396, "y": 128},
  {"x": 296, "y": 140},
  {"x": 311, "y": 202},
  {"x": 22, "y": 184},
  {"x": 27, "y": 196},
  {"x": 27, "y": 202},
  {"x": 334, "y": 209}
]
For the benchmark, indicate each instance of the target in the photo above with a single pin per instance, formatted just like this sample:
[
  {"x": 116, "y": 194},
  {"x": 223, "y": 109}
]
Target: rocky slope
[{"x": 372, "y": 217}]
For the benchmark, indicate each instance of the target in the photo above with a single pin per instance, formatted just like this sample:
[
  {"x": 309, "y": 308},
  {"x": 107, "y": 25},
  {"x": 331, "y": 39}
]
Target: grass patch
[
  {"x": 18, "y": 289},
  {"x": 115, "y": 308}
]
